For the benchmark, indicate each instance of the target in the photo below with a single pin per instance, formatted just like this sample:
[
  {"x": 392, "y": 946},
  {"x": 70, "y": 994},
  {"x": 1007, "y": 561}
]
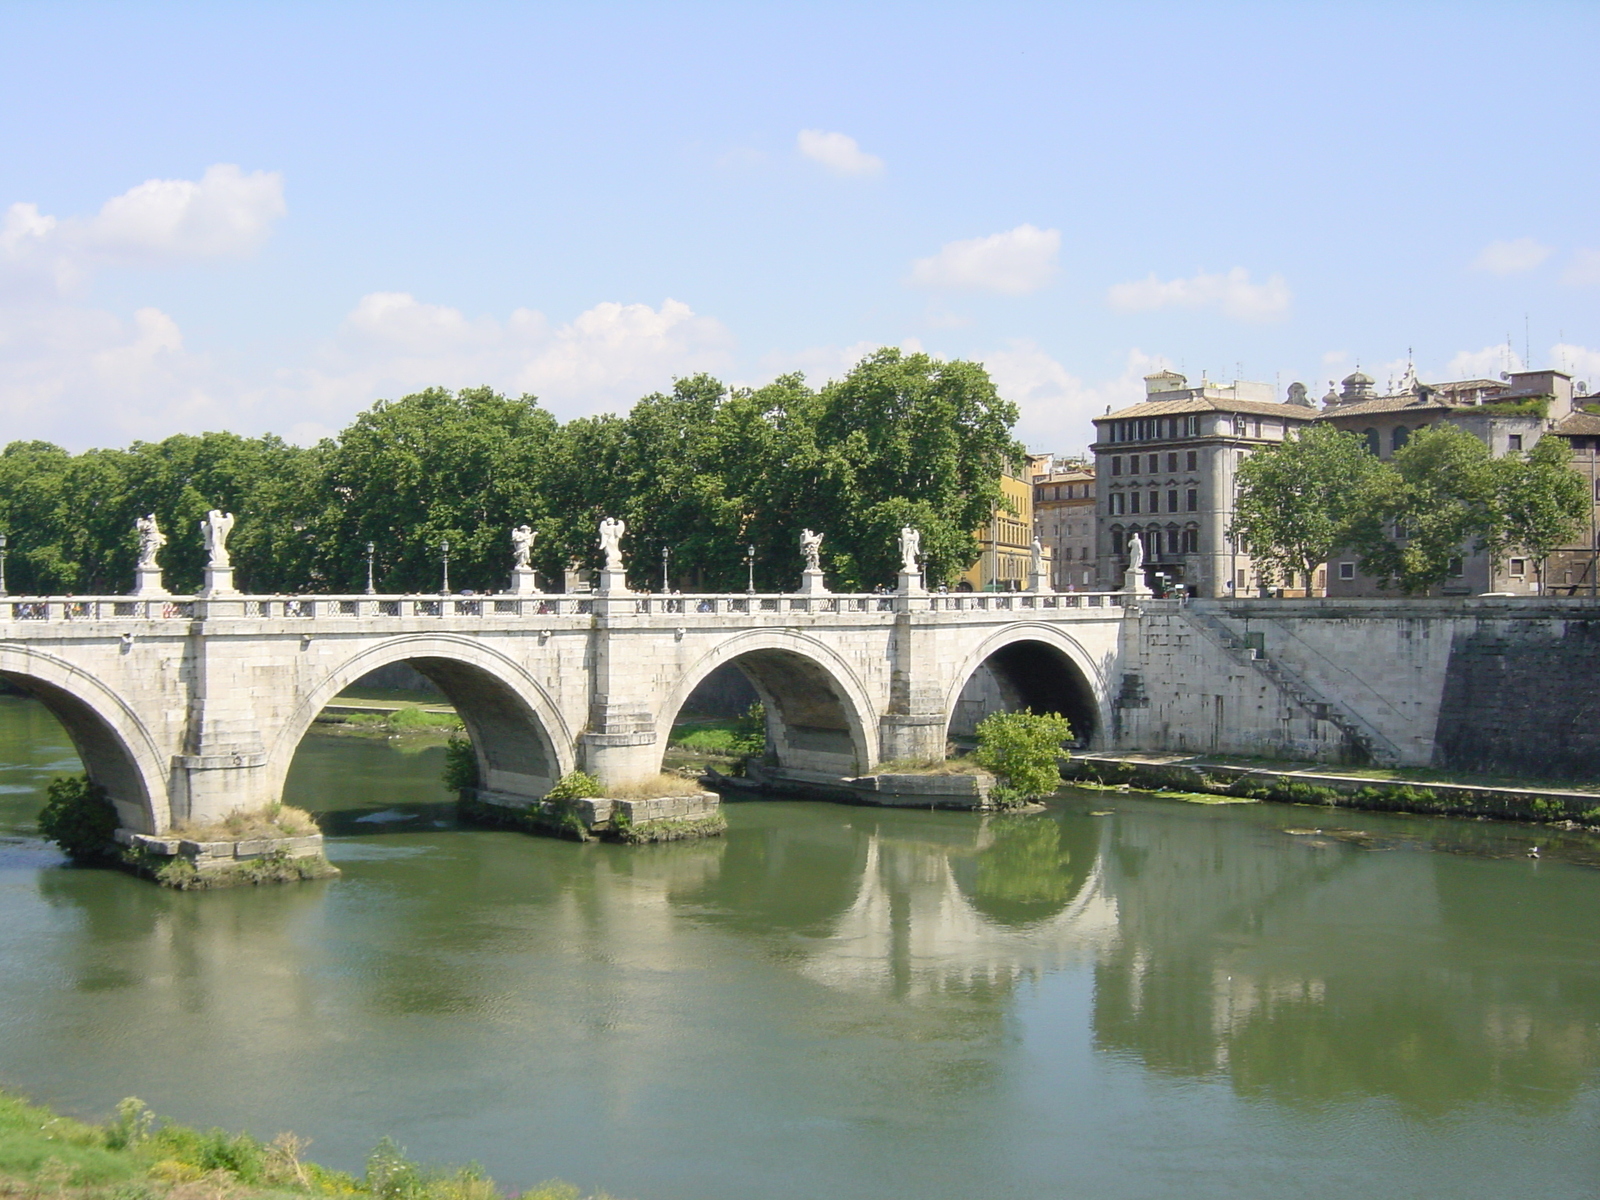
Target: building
[
  {"x": 1165, "y": 469},
  {"x": 1005, "y": 545},
  {"x": 1571, "y": 570},
  {"x": 1063, "y": 507},
  {"x": 1509, "y": 415}
]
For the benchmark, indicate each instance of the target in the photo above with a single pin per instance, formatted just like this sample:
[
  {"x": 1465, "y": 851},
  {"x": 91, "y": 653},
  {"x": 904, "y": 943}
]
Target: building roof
[
  {"x": 1387, "y": 404},
  {"x": 1583, "y": 424},
  {"x": 1195, "y": 404}
]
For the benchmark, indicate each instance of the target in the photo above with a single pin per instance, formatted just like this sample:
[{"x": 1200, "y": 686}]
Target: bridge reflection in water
[{"x": 872, "y": 1001}]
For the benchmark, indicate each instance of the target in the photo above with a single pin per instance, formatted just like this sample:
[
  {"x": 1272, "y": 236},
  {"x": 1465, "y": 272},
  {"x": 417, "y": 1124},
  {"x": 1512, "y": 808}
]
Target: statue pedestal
[
  {"x": 612, "y": 582},
  {"x": 524, "y": 581},
  {"x": 1134, "y": 585},
  {"x": 147, "y": 582},
  {"x": 812, "y": 584},
  {"x": 1039, "y": 580},
  {"x": 911, "y": 584},
  {"x": 219, "y": 582}
]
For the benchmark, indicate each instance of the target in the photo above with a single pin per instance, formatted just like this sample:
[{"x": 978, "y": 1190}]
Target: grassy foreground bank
[{"x": 137, "y": 1157}]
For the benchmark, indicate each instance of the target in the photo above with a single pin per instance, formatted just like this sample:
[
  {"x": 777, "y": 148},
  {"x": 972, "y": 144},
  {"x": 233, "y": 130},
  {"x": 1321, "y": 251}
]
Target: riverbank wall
[
  {"x": 634, "y": 822},
  {"x": 1198, "y": 775},
  {"x": 1479, "y": 685}
]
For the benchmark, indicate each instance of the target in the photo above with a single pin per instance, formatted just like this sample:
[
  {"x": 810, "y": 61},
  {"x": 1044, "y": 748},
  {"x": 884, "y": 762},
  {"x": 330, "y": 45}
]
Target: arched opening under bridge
[
  {"x": 1031, "y": 674},
  {"x": 814, "y": 716},
  {"x": 401, "y": 698},
  {"x": 106, "y": 755}
]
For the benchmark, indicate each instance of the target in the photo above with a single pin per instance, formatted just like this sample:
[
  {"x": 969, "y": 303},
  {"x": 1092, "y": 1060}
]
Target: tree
[
  {"x": 1025, "y": 749},
  {"x": 1541, "y": 501},
  {"x": 1436, "y": 501},
  {"x": 1297, "y": 501}
]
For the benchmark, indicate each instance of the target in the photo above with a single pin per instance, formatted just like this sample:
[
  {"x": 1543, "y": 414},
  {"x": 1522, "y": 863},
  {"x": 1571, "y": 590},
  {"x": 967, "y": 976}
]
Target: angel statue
[
  {"x": 216, "y": 528},
  {"x": 811, "y": 547},
  {"x": 1135, "y": 553},
  {"x": 910, "y": 549},
  {"x": 151, "y": 539},
  {"x": 611, "y": 531},
  {"x": 522, "y": 546}
]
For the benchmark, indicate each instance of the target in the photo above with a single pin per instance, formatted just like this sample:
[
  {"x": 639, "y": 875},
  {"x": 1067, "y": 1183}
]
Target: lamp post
[
  {"x": 750, "y": 563},
  {"x": 665, "y": 554},
  {"x": 444, "y": 549},
  {"x": 3, "y": 543},
  {"x": 372, "y": 549}
]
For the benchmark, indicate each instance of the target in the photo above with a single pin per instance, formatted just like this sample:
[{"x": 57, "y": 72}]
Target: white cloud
[
  {"x": 1016, "y": 262},
  {"x": 1578, "y": 361},
  {"x": 1509, "y": 258},
  {"x": 838, "y": 152},
  {"x": 1583, "y": 270},
  {"x": 1057, "y": 407},
  {"x": 1233, "y": 294},
  {"x": 161, "y": 222},
  {"x": 1484, "y": 364}
]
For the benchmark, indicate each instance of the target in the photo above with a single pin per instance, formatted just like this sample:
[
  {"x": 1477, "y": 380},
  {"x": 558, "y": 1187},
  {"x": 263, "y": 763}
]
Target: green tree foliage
[
  {"x": 464, "y": 467},
  {"x": 1298, "y": 501},
  {"x": 460, "y": 765},
  {"x": 702, "y": 471},
  {"x": 78, "y": 817},
  {"x": 1541, "y": 501},
  {"x": 1025, "y": 749},
  {"x": 574, "y": 785}
]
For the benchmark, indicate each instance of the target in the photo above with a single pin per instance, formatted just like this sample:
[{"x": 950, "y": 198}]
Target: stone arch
[
  {"x": 522, "y": 742},
  {"x": 116, "y": 748},
  {"x": 819, "y": 716},
  {"x": 1041, "y": 665}
]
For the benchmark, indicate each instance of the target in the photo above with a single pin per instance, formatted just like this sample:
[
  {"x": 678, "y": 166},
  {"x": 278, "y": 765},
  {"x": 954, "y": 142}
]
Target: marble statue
[
  {"x": 910, "y": 548},
  {"x": 1135, "y": 553},
  {"x": 151, "y": 539},
  {"x": 811, "y": 547},
  {"x": 522, "y": 546},
  {"x": 216, "y": 528},
  {"x": 611, "y": 531},
  {"x": 1038, "y": 554}
]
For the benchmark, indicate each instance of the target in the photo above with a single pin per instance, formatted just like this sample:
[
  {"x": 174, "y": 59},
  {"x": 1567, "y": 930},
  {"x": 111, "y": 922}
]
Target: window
[
  {"x": 1155, "y": 463},
  {"x": 1172, "y": 462},
  {"x": 1155, "y": 502},
  {"x": 1322, "y": 580},
  {"x": 1191, "y": 428},
  {"x": 1515, "y": 441},
  {"x": 1519, "y": 567},
  {"x": 1191, "y": 540},
  {"x": 1597, "y": 491},
  {"x": 1192, "y": 500},
  {"x": 1192, "y": 463},
  {"x": 1134, "y": 499},
  {"x": 1172, "y": 501},
  {"x": 1399, "y": 437},
  {"x": 1456, "y": 570},
  {"x": 1116, "y": 541},
  {"x": 1347, "y": 570},
  {"x": 1118, "y": 502},
  {"x": 1373, "y": 443},
  {"x": 1239, "y": 583},
  {"x": 1116, "y": 464}
]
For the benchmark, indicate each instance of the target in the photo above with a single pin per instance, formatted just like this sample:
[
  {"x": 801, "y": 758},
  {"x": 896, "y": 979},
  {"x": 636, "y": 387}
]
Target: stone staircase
[{"x": 1367, "y": 740}]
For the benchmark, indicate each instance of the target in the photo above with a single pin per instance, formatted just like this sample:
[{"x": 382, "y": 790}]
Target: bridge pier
[{"x": 914, "y": 727}]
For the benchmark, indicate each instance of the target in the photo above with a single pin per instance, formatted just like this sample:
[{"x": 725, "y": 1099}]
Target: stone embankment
[
  {"x": 1297, "y": 785},
  {"x": 188, "y": 864},
  {"x": 636, "y": 822},
  {"x": 965, "y": 791}
]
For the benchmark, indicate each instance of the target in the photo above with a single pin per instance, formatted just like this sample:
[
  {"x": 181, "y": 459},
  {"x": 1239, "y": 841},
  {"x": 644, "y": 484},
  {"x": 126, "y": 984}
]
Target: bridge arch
[
  {"x": 819, "y": 716},
  {"x": 116, "y": 748},
  {"x": 522, "y": 742},
  {"x": 1040, "y": 666}
]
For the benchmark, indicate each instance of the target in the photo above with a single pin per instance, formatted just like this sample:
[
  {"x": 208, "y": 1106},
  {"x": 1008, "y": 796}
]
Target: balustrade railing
[{"x": 50, "y": 609}]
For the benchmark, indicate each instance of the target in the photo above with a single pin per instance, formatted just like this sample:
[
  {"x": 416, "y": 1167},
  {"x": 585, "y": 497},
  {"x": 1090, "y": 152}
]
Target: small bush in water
[
  {"x": 574, "y": 785},
  {"x": 78, "y": 817},
  {"x": 1024, "y": 748}
]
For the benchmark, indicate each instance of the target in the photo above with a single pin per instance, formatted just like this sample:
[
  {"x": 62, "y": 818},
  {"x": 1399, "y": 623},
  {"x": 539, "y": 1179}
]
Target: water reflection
[{"x": 857, "y": 1001}]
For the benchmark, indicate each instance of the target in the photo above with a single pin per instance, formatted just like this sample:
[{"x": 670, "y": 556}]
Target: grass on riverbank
[
  {"x": 136, "y": 1157},
  {"x": 273, "y": 821}
]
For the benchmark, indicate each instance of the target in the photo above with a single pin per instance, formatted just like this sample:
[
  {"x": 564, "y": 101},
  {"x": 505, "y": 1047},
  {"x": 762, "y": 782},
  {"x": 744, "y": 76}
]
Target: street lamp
[
  {"x": 3, "y": 544},
  {"x": 750, "y": 562},
  {"x": 444, "y": 549},
  {"x": 372, "y": 549},
  {"x": 665, "y": 554}
]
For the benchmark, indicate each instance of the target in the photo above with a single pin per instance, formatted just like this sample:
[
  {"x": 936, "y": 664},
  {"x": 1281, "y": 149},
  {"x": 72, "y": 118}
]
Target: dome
[{"x": 1357, "y": 379}]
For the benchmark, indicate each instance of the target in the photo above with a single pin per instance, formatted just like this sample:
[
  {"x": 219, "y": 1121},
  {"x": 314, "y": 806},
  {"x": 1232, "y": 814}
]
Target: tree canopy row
[
  {"x": 703, "y": 471},
  {"x": 1410, "y": 518}
]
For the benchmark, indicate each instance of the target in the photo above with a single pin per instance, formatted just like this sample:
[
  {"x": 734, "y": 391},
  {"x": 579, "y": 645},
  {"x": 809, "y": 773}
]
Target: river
[{"x": 1122, "y": 997}]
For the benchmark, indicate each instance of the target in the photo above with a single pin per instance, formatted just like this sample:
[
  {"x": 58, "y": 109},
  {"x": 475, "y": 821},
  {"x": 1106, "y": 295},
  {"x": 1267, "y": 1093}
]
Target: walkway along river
[{"x": 1123, "y": 997}]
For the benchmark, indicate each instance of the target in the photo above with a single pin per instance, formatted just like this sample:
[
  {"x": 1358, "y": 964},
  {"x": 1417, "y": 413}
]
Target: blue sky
[{"x": 266, "y": 217}]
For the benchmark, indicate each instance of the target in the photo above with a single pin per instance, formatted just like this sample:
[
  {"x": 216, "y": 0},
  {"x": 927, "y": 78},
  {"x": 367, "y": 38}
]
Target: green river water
[{"x": 1123, "y": 997}]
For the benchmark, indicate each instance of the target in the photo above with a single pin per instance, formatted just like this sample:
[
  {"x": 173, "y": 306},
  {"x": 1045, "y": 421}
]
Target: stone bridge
[{"x": 188, "y": 708}]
